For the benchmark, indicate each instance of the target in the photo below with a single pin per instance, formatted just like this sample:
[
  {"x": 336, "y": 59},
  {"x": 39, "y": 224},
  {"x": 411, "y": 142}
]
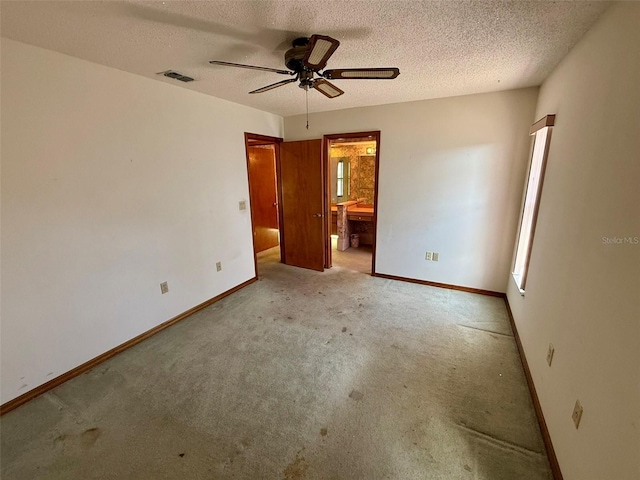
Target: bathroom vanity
[{"x": 352, "y": 217}]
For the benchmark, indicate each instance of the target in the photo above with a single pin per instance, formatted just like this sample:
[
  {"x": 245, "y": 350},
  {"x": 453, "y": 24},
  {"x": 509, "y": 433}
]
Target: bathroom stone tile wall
[{"x": 362, "y": 172}]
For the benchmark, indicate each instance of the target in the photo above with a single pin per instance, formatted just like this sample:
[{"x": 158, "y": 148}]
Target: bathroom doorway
[{"x": 352, "y": 194}]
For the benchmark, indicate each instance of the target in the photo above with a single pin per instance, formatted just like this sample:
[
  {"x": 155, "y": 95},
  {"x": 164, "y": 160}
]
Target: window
[
  {"x": 541, "y": 130},
  {"x": 342, "y": 179},
  {"x": 340, "y": 186}
]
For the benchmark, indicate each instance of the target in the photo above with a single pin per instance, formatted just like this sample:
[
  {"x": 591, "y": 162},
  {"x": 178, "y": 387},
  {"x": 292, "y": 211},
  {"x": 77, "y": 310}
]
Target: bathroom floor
[{"x": 357, "y": 259}]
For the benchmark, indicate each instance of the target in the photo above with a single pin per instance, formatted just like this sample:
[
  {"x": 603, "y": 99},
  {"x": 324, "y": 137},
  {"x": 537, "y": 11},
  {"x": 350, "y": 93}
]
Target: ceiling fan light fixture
[{"x": 327, "y": 89}]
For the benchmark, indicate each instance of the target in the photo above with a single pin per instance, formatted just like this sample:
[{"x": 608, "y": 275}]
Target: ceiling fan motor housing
[
  {"x": 293, "y": 58},
  {"x": 300, "y": 42}
]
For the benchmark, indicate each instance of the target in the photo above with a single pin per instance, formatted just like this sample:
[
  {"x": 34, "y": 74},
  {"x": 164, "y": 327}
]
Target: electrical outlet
[
  {"x": 242, "y": 204},
  {"x": 428, "y": 256},
  {"x": 218, "y": 266},
  {"x": 435, "y": 256},
  {"x": 550, "y": 353},
  {"x": 577, "y": 414},
  {"x": 164, "y": 287}
]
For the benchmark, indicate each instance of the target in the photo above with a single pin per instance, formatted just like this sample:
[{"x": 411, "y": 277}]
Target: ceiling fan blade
[
  {"x": 362, "y": 73},
  {"x": 251, "y": 67},
  {"x": 275, "y": 85},
  {"x": 327, "y": 88},
  {"x": 320, "y": 48}
]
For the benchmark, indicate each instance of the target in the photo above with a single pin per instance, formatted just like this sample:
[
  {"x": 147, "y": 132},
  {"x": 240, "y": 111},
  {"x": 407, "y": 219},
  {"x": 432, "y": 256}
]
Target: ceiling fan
[{"x": 305, "y": 62}]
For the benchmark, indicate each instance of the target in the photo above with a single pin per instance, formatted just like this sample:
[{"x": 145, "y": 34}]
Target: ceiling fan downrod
[
  {"x": 306, "y": 94},
  {"x": 306, "y": 79}
]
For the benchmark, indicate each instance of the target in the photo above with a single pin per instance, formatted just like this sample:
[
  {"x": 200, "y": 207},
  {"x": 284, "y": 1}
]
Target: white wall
[
  {"x": 583, "y": 295},
  {"x": 111, "y": 184},
  {"x": 451, "y": 176}
]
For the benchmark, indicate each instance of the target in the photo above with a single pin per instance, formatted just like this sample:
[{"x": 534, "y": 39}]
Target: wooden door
[
  {"x": 262, "y": 192},
  {"x": 303, "y": 212}
]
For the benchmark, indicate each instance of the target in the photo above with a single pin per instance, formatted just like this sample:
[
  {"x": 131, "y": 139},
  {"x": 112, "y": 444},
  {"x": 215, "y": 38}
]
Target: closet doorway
[
  {"x": 262, "y": 159},
  {"x": 287, "y": 200}
]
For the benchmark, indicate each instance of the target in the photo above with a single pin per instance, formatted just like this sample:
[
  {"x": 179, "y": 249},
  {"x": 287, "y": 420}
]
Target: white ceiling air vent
[{"x": 176, "y": 75}]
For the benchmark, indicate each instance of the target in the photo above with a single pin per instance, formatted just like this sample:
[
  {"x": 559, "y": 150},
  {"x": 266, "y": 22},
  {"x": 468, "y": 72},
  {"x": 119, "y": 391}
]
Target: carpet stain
[
  {"x": 323, "y": 432},
  {"x": 297, "y": 469},
  {"x": 344, "y": 329},
  {"x": 85, "y": 439},
  {"x": 356, "y": 395},
  {"x": 89, "y": 437},
  {"x": 467, "y": 467},
  {"x": 236, "y": 451}
]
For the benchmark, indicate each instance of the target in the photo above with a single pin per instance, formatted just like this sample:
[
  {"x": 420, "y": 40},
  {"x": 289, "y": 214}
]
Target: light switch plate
[
  {"x": 164, "y": 287},
  {"x": 242, "y": 204},
  {"x": 218, "y": 266}
]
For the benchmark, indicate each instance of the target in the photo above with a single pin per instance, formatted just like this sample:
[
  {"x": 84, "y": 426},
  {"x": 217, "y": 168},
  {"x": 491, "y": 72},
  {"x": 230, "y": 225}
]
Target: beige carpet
[{"x": 301, "y": 375}]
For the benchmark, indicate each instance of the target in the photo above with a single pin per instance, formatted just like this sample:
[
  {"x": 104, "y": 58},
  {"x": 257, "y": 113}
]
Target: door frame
[
  {"x": 375, "y": 135},
  {"x": 255, "y": 139}
]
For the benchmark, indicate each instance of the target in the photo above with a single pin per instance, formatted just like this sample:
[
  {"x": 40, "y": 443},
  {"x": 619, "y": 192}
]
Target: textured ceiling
[{"x": 442, "y": 48}]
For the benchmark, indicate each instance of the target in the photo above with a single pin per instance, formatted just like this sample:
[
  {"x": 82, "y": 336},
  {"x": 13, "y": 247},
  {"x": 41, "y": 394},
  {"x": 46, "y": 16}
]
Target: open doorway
[
  {"x": 352, "y": 191},
  {"x": 262, "y": 169}
]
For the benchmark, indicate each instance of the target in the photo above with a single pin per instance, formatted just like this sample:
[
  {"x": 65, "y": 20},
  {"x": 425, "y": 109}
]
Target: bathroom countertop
[{"x": 362, "y": 211}]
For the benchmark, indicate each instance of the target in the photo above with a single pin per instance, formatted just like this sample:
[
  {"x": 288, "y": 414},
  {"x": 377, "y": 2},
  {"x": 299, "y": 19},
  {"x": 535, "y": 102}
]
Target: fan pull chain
[{"x": 306, "y": 94}]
